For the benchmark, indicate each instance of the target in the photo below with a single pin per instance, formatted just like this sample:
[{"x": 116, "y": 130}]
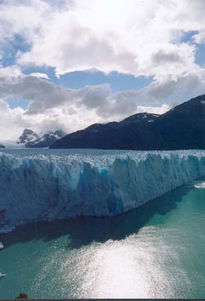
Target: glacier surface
[{"x": 52, "y": 184}]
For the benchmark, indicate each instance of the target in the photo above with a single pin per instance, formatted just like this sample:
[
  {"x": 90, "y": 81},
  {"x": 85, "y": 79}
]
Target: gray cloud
[
  {"x": 178, "y": 89},
  {"x": 52, "y": 106},
  {"x": 43, "y": 94},
  {"x": 162, "y": 57}
]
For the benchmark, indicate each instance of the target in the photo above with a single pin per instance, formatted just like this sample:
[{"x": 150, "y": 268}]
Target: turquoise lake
[{"x": 155, "y": 251}]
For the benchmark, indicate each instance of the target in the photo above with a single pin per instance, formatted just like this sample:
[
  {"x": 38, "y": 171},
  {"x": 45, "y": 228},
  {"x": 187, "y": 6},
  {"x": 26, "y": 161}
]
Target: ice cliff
[{"x": 51, "y": 186}]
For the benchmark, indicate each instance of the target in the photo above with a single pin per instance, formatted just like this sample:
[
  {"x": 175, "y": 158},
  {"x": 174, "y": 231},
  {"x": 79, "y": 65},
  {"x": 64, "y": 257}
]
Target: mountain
[
  {"x": 113, "y": 135},
  {"x": 182, "y": 127},
  {"x": 30, "y": 139},
  {"x": 28, "y": 136}
]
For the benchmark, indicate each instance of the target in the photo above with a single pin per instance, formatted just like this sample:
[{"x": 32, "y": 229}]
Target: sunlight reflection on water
[{"x": 129, "y": 268}]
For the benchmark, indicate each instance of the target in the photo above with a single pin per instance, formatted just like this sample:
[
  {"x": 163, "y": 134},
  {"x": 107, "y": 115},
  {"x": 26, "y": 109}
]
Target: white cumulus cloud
[
  {"x": 136, "y": 37},
  {"x": 129, "y": 36}
]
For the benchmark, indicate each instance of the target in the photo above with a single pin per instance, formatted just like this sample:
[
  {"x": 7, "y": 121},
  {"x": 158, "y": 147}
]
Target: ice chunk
[{"x": 199, "y": 185}]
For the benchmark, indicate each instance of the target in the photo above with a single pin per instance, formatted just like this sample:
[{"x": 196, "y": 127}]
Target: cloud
[
  {"x": 20, "y": 19},
  {"x": 11, "y": 121},
  {"x": 10, "y": 72},
  {"x": 52, "y": 106},
  {"x": 158, "y": 96},
  {"x": 178, "y": 88},
  {"x": 128, "y": 36},
  {"x": 40, "y": 75},
  {"x": 44, "y": 95},
  {"x": 162, "y": 57}
]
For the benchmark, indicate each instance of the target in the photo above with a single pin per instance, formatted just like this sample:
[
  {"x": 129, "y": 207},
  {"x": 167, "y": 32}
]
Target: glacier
[{"x": 38, "y": 185}]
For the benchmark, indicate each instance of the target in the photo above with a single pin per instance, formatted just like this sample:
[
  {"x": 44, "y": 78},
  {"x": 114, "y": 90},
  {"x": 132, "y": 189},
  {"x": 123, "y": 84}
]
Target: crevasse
[{"x": 54, "y": 186}]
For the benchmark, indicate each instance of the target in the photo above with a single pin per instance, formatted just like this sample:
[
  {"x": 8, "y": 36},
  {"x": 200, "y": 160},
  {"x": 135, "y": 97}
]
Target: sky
[{"x": 70, "y": 63}]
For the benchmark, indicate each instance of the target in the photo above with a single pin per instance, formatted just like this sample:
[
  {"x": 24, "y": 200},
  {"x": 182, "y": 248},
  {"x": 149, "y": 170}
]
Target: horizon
[{"x": 74, "y": 63}]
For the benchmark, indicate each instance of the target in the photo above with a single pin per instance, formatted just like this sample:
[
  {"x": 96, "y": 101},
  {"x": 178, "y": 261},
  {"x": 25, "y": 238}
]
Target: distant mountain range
[
  {"x": 30, "y": 139},
  {"x": 182, "y": 127}
]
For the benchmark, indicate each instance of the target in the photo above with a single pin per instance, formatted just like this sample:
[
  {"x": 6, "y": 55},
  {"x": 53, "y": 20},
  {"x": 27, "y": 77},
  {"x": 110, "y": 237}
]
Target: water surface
[{"x": 155, "y": 251}]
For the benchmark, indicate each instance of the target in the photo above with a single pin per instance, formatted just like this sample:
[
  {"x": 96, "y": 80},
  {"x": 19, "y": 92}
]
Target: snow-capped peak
[{"x": 30, "y": 139}]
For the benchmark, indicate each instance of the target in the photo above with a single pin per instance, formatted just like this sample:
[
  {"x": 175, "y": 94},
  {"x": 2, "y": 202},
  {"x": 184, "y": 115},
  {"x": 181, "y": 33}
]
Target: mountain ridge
[{"x": 182, "y": 127}]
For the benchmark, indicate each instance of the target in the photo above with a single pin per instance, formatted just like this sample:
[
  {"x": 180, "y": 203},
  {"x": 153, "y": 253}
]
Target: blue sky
[{"x": 67, "y": 64}]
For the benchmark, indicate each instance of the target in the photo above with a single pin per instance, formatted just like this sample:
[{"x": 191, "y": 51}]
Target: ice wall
[{"x": 47, "y": 187}]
